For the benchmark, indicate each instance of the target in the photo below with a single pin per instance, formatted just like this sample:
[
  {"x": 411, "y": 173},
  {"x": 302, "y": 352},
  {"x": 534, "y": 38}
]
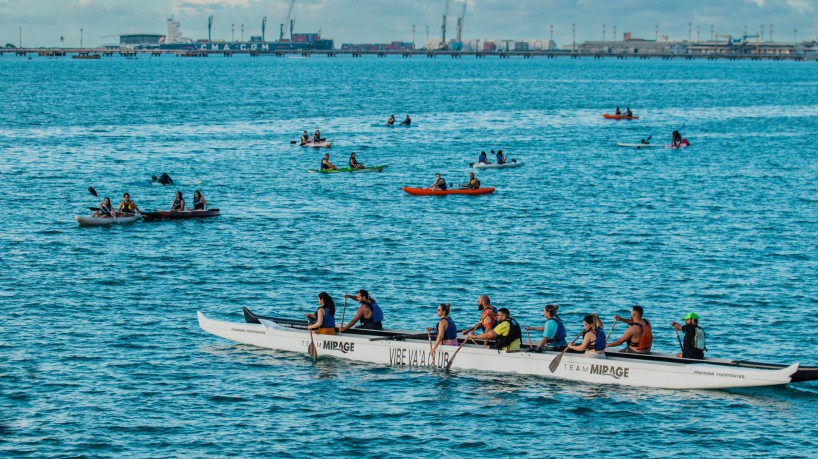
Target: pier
[{"x": 810, "y": 54}]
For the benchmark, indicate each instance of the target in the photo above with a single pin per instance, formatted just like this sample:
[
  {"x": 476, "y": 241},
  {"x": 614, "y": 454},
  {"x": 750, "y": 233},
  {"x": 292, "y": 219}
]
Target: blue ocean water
[{"x": 101, "y": 352}]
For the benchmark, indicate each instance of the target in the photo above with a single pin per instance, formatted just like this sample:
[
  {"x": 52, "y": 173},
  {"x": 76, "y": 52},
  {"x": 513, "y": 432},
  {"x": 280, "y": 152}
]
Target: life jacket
[
  {"x": 600, "y": 342},
  {"x": 128, "y": 207},
  {"x": 699, "y": 339},
  {"x": 177, "y": 204},
  {"x": 451, "y": 329},
  {"x": 646, "y": 341},
  {"x": 329, "y": 319},
  {"x": 482, "y": 159},
  {"x": 197, "y": 203},
  {"x": 514, "y": 333},
  {"x": 561, "y": 334},
  {"x": 492, "y": 312},
  {"x": 377, "y": 314}
]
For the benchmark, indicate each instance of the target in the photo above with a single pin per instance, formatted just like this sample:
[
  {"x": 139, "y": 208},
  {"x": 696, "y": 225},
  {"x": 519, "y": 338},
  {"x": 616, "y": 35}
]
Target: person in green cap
[{"x": 693, "y": 346}]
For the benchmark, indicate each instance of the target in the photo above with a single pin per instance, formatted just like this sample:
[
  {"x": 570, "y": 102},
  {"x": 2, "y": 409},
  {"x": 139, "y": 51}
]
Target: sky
[{"x": 43, "y": 22}]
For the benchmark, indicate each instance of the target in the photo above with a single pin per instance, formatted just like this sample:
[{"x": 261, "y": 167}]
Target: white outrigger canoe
[
  {"x": 103, "y": 221},
  {"x": 407, "y": 349}
]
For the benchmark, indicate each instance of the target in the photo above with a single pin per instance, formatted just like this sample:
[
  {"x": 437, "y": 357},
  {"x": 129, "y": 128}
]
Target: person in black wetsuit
[
  {"x": 439, "y": 184},
  {"x": 406, "y": 122},
  {"x": 326, "y": 165},
  {"x": 199, "y": 202},
  {"x": 305, "y": 138},
  {"x": 353, "y": 163},
  {"x": 369, "y": 313}
]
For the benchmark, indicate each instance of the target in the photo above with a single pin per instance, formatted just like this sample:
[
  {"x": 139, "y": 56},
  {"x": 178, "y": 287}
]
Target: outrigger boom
[{"x": 405, "y": 348}]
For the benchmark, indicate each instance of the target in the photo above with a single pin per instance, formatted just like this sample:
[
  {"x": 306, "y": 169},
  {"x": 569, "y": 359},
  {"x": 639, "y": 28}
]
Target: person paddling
[
  {"x": 618, "y": 112},
  {"x": 553, "y": 337},
  {"x": 326, "y": 165},
  {"x": 406, "y": 122},
  {"x": 628, "y": 113},
  {"x": 488, "y": 316},
  {"x": 369, "y": 313},
  {"x": 391, "y": 121},
  {"x": 324, "y": 317},
  {"x": 439, "y": 184},
  {"x": 694, "y": 340},
  {"x": 178, "y": 203},
  {"x": 593, "y": 338},
  {"x": 483, "y": 158},
  {"x": 305, "y": 138},
  {"x": 353, "y": 163},
  {"x": 507, "y": 332},
  {"x": 638, "y": 337},
  {"x": 316, "y": 138},
  {"x": 199, "y": 202},
  {"x": 446, "y": 329},
  {"x": 126, "y": 207},
  {"x": 474, "y": 183},
  {"x": 105, "y": 209},
  {"x": 501, "y": 158},
  {"x": 676, "y": 139}
]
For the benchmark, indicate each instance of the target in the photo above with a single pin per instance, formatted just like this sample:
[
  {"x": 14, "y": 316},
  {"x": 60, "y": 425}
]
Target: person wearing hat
[
  {"x": 693, "y": 346},
  {"x": 507, "y": 332}
]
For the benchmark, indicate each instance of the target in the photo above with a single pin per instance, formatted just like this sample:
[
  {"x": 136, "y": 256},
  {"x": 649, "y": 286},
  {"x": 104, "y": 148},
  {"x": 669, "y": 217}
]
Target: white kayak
[
  {"x": 639, "y": 146},
  {"x": 406, "y": 349},
  {"x": 512, "y": 163},
  {"x": 102, "y": 221},
  {"x": 317, "y": 144}
]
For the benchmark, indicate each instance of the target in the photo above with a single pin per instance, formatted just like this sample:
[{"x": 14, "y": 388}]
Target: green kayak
[{"x": 348, "y": 169}]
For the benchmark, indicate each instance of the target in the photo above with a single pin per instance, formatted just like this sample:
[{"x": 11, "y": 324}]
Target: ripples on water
[{"x": 102, "y": 352}]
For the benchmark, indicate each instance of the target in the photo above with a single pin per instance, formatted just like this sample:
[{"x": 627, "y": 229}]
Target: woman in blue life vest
[
  {"x": 199, "y": 202},
  {"x": 593, "y": 338},
  {"x": 369, "y": 313},
  {"x": 482, "y": 159},
  {"x": 446, "y": 329},
  {"x": 178, "y": 203},
  {"x": 324, "y": 316},
  {"x": 553, "y": 338}
]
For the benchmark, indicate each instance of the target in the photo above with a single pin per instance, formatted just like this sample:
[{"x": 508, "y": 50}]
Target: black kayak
[{"x": 179, "y": 215}]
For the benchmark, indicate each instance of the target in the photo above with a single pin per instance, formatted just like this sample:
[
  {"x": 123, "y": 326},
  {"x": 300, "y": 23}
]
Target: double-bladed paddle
[{"x": 94, "y": 193}]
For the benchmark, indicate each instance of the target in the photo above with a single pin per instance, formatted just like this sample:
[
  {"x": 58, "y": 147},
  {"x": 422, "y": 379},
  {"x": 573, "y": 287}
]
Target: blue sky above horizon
[{"x": 379, "y": 21}]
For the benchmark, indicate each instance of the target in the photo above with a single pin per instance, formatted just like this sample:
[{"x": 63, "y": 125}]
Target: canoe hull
[
  {"x": 318, "y": 145},
  {"x": 98, "y": 221},
  {"x": 573, "y": 367},
  {"x": 428, "y": 192},
  {"x": 619, "y": 117},
  {"x": 496, "y": 166},
  {"x": 348, "y": 169},
  {"x": 166, "y": 215}
]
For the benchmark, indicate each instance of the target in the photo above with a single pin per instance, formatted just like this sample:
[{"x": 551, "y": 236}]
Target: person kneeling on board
[
  {"x": 326, "y": 165},
  {"x": 507, "y": 332},
  {"x": 369, "y": 313},
  {"x": 446, "y": 329},
  {"x": 638, "y": 337},
  {"x": 324, "y": 316},
  {"x": 553, "y": 337},
  {"x": 694, "y": 340},
  {"x": 593, "y": 338}
]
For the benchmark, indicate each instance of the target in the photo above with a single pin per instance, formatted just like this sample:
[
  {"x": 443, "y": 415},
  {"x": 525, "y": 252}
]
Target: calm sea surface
[{"x": 100, "y": 351}]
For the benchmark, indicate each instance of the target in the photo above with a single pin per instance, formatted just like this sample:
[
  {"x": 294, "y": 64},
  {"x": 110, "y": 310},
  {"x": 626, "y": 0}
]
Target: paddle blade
[
  {"x": 92, "y": 191},
  {"x": 556, "y": 362},
  {"x": 95, "y": 209},
  {"x": 313, "y": 352},
  {"x": 293, "y": 142}
]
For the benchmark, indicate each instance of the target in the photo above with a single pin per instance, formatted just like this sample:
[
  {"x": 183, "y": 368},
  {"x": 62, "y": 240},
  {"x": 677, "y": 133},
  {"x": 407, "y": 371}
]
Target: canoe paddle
[
  {"x": 344, "y": 311},
  {"x": 529, "y": 337},
  {"x": 311, "y": 350},
  {"x": 451, "y": 361},
  {"x": 556, "y": 362},
  {"x": 680, "y": 340},
  {"x": 431, "y": 351},
  {"x": 612, "y": 328}
]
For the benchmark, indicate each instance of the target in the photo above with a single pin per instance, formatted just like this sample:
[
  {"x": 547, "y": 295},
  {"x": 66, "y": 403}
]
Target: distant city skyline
[{"x": 43, "y": 22}]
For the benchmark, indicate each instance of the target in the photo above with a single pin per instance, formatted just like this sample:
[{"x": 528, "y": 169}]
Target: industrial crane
[
  {"x": 443, "y": 28},
  {"x": 289, "y": 21},
  {"x": 458, "y": 44}
]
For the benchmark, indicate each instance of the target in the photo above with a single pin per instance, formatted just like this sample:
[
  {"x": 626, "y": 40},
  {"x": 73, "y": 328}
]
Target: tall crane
[
  {"x": 209, "y": 27},
  {"x": 460, "y": 23},
  {"x": 289, "y": 21},
  {"x": 445, "y": 14},
  {"x": 263, "y": 28}
]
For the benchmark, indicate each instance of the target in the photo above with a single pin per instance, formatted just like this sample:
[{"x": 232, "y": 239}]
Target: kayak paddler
[
  {"x": 326, "y": 165},
  {"x": 126, "y": 207},
  {"x": 406, "y": 122},
  {"x": 178, "y": 204},
  {"x": 483, "y": 158},
  {"x": 618, "y": 112},
  {"x": 324, "y": 316},
  {"x": 439, "y": 184},
  {"x": 391, "y": 121},
  {"x": 353, "y": 163},
  {"x": 501, "y": 158},
  {"x": 676, "y": 139},
  {"x": 369, "y": 313},
  {"x": 316, "y": 138},
  {"x": 305, "y": 138},
  {"x": 105, "y": 209},
  {"x": 199, "y": 202},
  {"x": 473, "y": 184},
  {"x": 628, "y": 113}
]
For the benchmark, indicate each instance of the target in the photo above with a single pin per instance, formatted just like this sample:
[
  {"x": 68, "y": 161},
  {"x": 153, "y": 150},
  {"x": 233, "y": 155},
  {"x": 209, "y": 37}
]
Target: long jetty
[{"x": 93, "y": 53}]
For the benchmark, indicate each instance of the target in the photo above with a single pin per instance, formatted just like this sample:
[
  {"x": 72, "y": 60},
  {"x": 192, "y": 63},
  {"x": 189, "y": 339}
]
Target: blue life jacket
[
  {"x": 329, "y": 319},
  {"x": 483, "y": 158},
  {"x": 451, "y": 329},
  {"x": 177, "y": 204},
  {"x": 601, "y": 341},
  {"x": 377, "y": 315},
  {"x": 197, "y": 203},
  {"x": 559, "y": 337},
  {"x": 500, "y": 158}
]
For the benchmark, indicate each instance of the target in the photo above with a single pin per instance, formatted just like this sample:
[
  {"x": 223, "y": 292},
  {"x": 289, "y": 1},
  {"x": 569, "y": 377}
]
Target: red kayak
[
  {"x": 428, "y": 192},
  {"x": 179, "y": 215},
  {"x": 619, "y": 117}
]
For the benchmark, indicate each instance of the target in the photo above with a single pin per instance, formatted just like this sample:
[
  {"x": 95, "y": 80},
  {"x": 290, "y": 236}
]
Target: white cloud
[{"x": 801, "y": 6}]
